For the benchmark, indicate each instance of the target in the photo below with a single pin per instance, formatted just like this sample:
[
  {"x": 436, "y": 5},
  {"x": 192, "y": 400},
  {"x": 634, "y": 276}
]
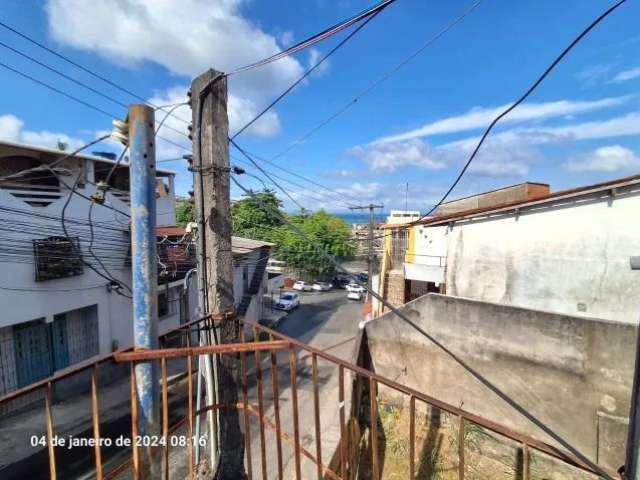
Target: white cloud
[
  {"x": 186, "y": 38},
  {"x": 240, "y": 111},
  {"x": 497, "y": 158},
  {"x": 594, "y": 74},
  {"x": 391, "y": 156},
  {"x": 481, "y": 117},
  {"x": 626, "y": 75},
  {"x": 323, "y": 68},
  {"x": 611, "y": 158},
  {"x": 341, "y": 173},
  {"x": 12, "y": 130}
]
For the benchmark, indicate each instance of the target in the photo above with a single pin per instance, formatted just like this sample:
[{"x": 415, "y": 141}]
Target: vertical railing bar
[
  {"x": 134, "y": 425},
  {"x": 95, "y": 419},
  {"x": 412, "y": 438},
  {"x": 165, "y": 416},
  {"x": 49, "y": 412},
  {"x": 373, "y": 394},
  {"x": 245, "y": 397},
  {"x": 525, "y": 461},
  {"x": 294, "y": 402},
  {"x": 263, "y": 445},
  {"x": 276, "y": 409},
  {"x": 461, "y": 448},
  {"x": 316, "y": 412},
  {"x": 190, "y": 413},
  {"x": 343, "y": 430}
]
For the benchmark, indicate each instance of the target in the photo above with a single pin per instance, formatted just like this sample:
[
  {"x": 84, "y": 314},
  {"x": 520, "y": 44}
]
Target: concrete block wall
[
  {"x": 395, "y": 291},
  {"x": 573, "y": 373}
]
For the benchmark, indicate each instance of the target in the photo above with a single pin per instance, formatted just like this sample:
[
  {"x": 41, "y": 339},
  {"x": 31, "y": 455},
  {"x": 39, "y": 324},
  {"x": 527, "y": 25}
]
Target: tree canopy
[
  {"x": 185, "y": 212},
  {"x": 251, "y": 219}
]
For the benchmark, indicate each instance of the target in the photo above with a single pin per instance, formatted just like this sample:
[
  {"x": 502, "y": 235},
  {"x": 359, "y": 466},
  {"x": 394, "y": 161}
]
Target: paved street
[
  {"x": 323, "y": 320},
  {"x": 327, "y": 321}
]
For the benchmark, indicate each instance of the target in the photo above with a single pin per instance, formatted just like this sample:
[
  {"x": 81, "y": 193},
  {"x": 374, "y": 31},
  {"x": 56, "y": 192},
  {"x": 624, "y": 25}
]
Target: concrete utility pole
[
  {"x": 145, "y": 284},
  {"x": 211, "y": 160},
  {"x": 632, "y": 470},
  {"x": 371, "y": 207}
]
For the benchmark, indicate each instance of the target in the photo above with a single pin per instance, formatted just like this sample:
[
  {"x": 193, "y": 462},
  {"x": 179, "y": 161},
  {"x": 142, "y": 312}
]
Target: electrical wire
[
  {"x": 81, "y": 67},
  {"x": 108, "y": 275},
  {"x": 265, "y": 173},
  {"x": 305, "y": 75},
  {"x": 337, "y": 200},
  {"x": 477, "y": 375},
  {"x": 318, "y": 37},
  {"x": 521, "y": 99},
  {"x": 305, "y": 192},
  {"x": 379, "y": 81},
  {"x": 80, "y": 101}
]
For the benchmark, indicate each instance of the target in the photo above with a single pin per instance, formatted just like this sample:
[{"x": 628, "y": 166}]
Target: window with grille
[{"x": 57, "y": 257}]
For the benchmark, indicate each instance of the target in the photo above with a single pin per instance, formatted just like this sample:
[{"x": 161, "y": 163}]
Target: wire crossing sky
[{"x": 441, "y": 73}]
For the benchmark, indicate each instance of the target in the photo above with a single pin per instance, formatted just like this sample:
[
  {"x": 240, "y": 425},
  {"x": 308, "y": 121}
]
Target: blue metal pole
[{"x": 145, "y": 279}]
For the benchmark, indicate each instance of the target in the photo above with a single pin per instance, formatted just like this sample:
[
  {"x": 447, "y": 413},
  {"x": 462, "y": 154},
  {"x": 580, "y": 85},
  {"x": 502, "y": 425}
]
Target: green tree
[
  {"x": 254, "y": 217},
  {"x": 62, "y": 146},
  {"x": 325, "y": 230},
  {"x": 185, "y": 212}
]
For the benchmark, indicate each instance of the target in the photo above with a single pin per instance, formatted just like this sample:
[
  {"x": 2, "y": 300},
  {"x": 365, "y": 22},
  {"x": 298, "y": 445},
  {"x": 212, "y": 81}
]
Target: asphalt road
[{"x": 323, "y": 317}]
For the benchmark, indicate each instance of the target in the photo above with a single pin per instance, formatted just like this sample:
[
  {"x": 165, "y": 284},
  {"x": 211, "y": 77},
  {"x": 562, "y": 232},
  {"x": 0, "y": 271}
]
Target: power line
[
  {"x": 266, "y": 174},
  {"x": 291, "y": 182},
  {"x": 484, "y": 381},
  {"x": 81, "y": 67},
  {"x": 305, "y": 75},
  {"x": 318, "y": 37},
  {"x": 80, "y": 101},
  {"x": 522, "y": 98},
  {"x": 301, "y": 177},
  {"x": 379, "y": 81}
]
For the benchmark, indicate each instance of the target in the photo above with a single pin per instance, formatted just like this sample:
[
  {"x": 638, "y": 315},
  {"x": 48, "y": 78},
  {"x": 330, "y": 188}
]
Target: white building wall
[
  {"x": 23, "y": 299},
  {"x": 570, "y": 256}
]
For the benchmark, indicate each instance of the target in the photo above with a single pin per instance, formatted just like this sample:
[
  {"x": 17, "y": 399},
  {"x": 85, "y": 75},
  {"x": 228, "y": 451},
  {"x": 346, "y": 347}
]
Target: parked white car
[
  {"x": 287, "y": 301},
  {"x": 302, "y": 286},
  {"x": 354, "y": 296},
  {"x": 322, "y": 286},
  {"x": 354, "y": 287}
]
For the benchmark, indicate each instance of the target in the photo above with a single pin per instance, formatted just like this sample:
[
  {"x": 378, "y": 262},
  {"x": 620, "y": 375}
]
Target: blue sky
[{"x": 581, "y": 126}]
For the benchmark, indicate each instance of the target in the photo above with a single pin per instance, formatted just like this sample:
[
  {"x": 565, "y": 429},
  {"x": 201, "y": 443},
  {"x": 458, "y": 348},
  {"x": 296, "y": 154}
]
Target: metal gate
[{"x": 40, "y": 349}]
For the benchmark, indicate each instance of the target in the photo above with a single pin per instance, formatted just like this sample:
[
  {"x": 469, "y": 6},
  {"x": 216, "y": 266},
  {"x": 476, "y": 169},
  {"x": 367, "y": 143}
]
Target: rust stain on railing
[{"x": 341, "y": 468}]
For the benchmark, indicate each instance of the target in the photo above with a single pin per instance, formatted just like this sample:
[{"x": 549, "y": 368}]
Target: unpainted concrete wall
[
  {"x": 568, "y": 256},
  {"x": 573, "y": 373}
]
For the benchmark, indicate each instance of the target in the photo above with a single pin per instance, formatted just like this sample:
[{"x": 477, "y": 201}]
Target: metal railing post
[{"x": 145, "y": 280}]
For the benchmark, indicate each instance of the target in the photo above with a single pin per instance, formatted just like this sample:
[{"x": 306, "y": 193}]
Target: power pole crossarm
[{"x": 211, "y": 159}]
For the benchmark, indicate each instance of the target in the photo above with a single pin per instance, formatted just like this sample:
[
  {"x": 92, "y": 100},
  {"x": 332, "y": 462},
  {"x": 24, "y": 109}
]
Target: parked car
[
  {"x": 302, "y": 286},
  {"x": 354, "y": 287},
  {"x": 354, "y": 295},
  {"x": 363, "y": 276},
  {"x": 322, "y": 286},
  {"x": 341, "y": 282},
  {"x": 287, "y": 301}
]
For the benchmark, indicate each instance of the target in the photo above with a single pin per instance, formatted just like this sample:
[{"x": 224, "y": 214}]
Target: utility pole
[
  {"x": 371, "y": 207},
  {"x": 632, "y": 467},
  {"x": 142, "y": 168},
  {"x": 211, "y": 161}
]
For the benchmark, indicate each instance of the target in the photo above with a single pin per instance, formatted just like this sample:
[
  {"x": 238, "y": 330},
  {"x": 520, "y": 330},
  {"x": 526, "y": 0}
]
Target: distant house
[
  {"x": 60, "y": 294},
  {"x": 564, "y": 252}
]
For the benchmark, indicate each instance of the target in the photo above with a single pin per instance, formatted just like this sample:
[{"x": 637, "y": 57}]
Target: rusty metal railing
[{"x": 356, "y": 403}]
